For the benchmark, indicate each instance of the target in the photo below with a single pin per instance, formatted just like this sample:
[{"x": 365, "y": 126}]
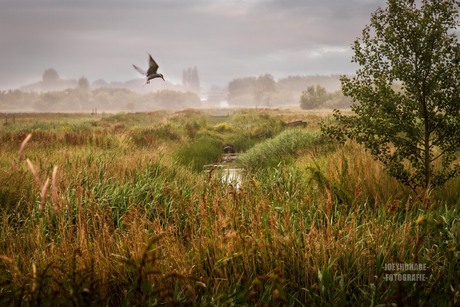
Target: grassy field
[{"x": 119, "y": 210}]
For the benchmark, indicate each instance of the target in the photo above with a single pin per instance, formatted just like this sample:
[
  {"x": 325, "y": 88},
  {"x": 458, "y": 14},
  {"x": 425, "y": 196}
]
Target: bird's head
[{"x": 161, "y": 76}]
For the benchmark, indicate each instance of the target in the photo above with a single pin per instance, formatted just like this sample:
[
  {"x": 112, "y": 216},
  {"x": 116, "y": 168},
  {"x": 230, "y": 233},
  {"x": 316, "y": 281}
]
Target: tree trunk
[{"x": 427, "y": 160}]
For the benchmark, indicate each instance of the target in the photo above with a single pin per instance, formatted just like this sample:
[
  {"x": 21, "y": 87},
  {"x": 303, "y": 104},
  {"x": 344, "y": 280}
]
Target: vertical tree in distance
[
  {"x": 191, "y": 80},
  {"x": 195, "y": 80},
  {"x": 406, "y": 92}
]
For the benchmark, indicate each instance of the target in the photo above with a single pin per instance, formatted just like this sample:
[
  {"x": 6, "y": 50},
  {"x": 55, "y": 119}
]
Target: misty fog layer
[{"x": 55, "y": 94}]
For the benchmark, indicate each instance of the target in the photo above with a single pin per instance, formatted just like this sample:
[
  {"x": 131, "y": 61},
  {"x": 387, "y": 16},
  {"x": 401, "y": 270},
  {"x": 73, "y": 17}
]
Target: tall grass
[
  {"x": 199, "y": 152},
  {"x": 281, "y": 148},
  {"x": 129, "y": 224}
]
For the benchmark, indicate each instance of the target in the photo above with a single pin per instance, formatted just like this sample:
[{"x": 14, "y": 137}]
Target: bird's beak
[{"x": 162, "y": 78}]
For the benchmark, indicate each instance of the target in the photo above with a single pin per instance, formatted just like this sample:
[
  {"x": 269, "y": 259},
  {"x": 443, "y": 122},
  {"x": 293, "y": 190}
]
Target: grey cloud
[{"x": 225, "y": 39}]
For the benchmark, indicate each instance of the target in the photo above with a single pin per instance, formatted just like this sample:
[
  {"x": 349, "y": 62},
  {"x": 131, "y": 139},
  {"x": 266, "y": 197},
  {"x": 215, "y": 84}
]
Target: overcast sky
[{"x": 225, "y": 39}]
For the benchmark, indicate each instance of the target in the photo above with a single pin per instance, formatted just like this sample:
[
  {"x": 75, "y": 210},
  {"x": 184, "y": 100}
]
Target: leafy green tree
[
  {"x": 406, "y": 92},
  {"x": 313, "y": 97}
]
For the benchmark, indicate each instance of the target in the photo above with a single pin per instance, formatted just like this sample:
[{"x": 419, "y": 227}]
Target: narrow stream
[{"x": 232, "y": 176}]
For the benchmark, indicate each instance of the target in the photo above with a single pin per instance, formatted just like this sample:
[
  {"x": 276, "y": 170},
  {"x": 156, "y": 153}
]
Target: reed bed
[{"x": 129, "y": 224}]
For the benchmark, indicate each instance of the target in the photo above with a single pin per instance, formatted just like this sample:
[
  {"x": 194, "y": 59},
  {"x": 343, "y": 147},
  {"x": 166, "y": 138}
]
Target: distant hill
[{"x": 42, "y": 86}]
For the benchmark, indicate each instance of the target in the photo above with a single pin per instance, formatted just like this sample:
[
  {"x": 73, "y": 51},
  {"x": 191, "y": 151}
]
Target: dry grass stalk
[
  {"x": 43, "y": 193},
  {"x": 34, "y": 172},
  {"x": 54, "y": 195},
  {"x": 23, "y": 146},
  {"x": 34, "y": 277}
]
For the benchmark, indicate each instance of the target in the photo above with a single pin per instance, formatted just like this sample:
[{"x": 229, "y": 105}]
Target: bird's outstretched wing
[
  {"x": 153, "y": 66},
  {"x": 140, "y": 70}
]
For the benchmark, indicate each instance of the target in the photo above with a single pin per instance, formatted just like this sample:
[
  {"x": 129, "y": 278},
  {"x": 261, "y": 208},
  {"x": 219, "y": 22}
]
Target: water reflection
[{"x": 233, "y": 177}]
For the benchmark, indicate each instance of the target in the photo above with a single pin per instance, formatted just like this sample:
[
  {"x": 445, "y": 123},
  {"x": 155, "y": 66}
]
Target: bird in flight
[{"x": 151, "y": 73}]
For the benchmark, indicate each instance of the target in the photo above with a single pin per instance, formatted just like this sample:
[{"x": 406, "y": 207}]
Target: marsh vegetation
[{"x": 117, "y": 210}]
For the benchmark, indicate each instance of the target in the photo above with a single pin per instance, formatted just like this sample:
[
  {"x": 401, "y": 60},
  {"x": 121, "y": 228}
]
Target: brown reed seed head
[
  {"x": 23, "y": 146},
  {"x": 43, "y": 193},
  {"x": 34, "y": 172},
  {"x": 54, "y": 196}
]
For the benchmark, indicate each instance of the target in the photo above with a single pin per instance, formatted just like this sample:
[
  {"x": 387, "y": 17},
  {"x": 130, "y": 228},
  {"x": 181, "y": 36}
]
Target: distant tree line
[
  {"x": 83, "y": 99},
  {"x": 51, "y": 81},
  {"x": 53, "y": 93},
  {"x": 310, "y": 91}
]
